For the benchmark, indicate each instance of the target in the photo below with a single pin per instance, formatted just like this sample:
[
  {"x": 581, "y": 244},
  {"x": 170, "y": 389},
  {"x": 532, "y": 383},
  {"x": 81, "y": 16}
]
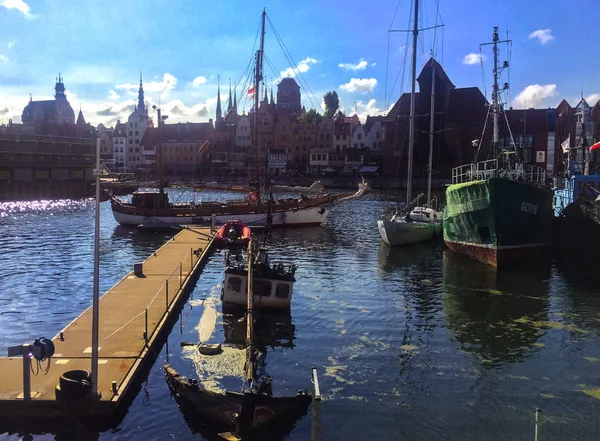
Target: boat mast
[
  {"x": 159, "y": 150},
  {"x": 411, "y": 134},
  {"x": 258, "y": 76},
  {"x": 250, "y": 317},
  {"x": 495, "y": 91},
  {"x": 96, "y": 289},
  {"x": 431, "y": 124}
]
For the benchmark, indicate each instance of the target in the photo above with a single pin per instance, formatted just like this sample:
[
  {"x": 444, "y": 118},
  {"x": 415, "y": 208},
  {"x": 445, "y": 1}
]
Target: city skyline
[{"x": 182, "y": 50}]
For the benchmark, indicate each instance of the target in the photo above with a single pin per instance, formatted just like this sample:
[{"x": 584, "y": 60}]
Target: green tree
[
  {"x": 332, "y": 103},
  {"x": 310, "y": 117}
]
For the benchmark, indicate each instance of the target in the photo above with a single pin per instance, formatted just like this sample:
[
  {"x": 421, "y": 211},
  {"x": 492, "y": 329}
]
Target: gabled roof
[
  {"x": 372, "y": 120},
  {"x": 80, "y": 118},
  {"x": 440, "y": 73},
  {"x": 467, "y": 104}
]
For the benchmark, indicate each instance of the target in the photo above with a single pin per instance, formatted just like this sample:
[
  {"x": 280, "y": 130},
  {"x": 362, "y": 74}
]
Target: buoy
[{"x": 206, "y": 349}]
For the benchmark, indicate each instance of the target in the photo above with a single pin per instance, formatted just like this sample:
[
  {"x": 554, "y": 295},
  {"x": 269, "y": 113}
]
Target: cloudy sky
[{"x": 183, "y": 47}]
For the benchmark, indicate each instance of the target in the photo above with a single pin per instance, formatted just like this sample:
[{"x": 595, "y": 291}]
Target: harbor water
[{"x": 410, "y": 343}]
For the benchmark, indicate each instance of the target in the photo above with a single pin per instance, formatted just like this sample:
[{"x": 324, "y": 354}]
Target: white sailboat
[{"x": 404, "y": 230}]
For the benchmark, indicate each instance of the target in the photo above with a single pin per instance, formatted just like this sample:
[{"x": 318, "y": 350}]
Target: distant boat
[
  {"x": 402, "y": 229},
  {"x": 498, "y": 211}
]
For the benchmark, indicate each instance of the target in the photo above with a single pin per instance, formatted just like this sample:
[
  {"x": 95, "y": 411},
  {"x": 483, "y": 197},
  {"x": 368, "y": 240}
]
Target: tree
[
  {"x": 310, "y": 117},
  {"x": 332, "y": 103},
  {"x": 340, "y": 115}
]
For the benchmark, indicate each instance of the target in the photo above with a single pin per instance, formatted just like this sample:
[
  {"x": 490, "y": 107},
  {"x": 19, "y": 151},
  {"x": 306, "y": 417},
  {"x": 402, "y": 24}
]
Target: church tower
[
  {"x": 59, "y": 88},
  {"x": 219, "y": 114},
  {"x": 141, "y": 107}
]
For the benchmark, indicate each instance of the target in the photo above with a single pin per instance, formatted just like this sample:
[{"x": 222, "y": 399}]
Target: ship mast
[
  {"x": 258, "y": 76},
  {"x": 411, "y": 133}
]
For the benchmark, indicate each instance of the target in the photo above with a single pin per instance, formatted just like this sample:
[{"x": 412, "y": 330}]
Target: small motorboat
[
  {"x": 232, "y": 233},
  {"x": 236, "y": 412},
  {"x": 273, "y": 283}
]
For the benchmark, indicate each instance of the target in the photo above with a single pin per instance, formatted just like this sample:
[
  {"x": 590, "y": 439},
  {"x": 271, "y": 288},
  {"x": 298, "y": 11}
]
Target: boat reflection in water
[
  {"x": 390, "y": 259},
  {"x": 272, "y": 329},
  {"x": 497, "y": 315}
]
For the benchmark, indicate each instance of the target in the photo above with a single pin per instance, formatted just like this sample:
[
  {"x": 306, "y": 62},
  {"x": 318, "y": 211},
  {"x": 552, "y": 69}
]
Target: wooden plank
[{"x": 123, "y": 349}]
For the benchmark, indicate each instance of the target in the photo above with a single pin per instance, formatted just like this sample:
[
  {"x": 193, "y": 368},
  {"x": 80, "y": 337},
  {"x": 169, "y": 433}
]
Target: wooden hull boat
[{"x": 223, "y": 411}]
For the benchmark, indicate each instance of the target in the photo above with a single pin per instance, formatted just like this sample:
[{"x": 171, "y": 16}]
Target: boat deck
[{"x": 135, "y": 305}]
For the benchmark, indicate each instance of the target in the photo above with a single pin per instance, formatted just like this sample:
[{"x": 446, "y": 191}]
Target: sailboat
[
  {"x": 259, "y": 209},
  {"x": 403, "y": 230},
  {"x": 238, "y": 415},
  {"x": 498, "y": 211}
]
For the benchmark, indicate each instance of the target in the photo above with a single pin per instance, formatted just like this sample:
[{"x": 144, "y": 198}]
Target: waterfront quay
[{"x": 134, "y": 318}]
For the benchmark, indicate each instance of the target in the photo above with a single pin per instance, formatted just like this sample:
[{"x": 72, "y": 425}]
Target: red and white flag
[{"x": 251, "y": 93}]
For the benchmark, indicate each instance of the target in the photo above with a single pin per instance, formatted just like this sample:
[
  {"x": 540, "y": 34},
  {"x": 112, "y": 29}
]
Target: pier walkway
[{"x": 133, "y": 315}]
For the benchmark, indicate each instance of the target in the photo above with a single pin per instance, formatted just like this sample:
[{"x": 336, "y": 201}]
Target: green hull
[{"x": 498, "y": 221}]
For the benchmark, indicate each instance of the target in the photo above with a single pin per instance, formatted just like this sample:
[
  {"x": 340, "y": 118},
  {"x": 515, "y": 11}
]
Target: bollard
[
  {"x": 61, "y": 336},
  {"x": 114, "y": 388},
  {"x": 315, "y": 423},
  {"x": 167, "y": 294}
]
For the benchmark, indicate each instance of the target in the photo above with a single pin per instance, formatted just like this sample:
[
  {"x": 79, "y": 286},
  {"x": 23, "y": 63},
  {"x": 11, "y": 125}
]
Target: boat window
[
  {"x": 484, "y": 234},
  {"x": 234, "y": 284},
  {"x": 282, "y": 291},
  {"x": 262, "y": 288}
]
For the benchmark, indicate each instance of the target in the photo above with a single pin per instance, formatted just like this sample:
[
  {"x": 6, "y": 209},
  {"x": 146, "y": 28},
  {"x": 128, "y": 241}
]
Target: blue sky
[{"x": 181, "y": 47}]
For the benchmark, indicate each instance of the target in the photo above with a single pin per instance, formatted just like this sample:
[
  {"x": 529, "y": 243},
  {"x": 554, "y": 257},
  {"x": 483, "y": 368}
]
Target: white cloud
[
  {"x": 163, "y": 87},
  {"x": 199, "y": 81},
  {"x": 363, "y": 109},
  {"x": 112, "y": 95},
  {"x": 361, "y": 85},
  {"x": 544, "y": 35},
  {"x": 302, "y": 67},
  {"x": 19, "y": 5},
  {"x": 473, "y": 58},
  {"x": 11, "y": 43},
  {"x": 593, "y": 99},
  {"x": 361, "y": 65},
  {"x": 534, "y": 95},
  {"x": 3, "y": 58}
]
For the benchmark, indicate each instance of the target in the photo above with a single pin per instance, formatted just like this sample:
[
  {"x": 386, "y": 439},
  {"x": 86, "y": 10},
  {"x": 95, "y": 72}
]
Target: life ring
[{"x": 252, "y": 197}]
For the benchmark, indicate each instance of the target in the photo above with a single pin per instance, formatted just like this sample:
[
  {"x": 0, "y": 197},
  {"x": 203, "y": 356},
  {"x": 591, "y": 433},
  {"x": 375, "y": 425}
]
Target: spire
[
  {"x": 80, "y": 118},
  {"x": 59, "y": 88},
  {"x": 266, "y": 96},
  {"x": 141, "y": 106},
  {"x": 235, "y": 101},
  {"x": 272, "y": 101},
  {"x": 229, "y": 106},
  {"x": 219, "y": 113}
]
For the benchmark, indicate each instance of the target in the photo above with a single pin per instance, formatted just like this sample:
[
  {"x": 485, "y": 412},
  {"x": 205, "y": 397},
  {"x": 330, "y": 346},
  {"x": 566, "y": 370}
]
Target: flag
[
  {"x": 149, "y": 123},
  {"x": 595, "y": 147},
  {"x": 203, "y": 147},
  {"x": 566, "y": 145},
  {"x": 251, "y": 93}
]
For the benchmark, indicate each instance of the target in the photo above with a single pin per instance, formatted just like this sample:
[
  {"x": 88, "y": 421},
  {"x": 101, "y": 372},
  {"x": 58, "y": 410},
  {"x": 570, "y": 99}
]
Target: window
[
  {"x": 131, "y": 141},
  {"x": 344, "y": 137},
  {"x": 262, "y": 288},
  {"x": 137, "y": 141},
  {"x": 131, "y": 133},
  {"x": 337, "y": 137},
  {"x": 137, "y": 149},
  {"x": 136, "y": 124},
  {"x": 136, "y": 132},
  {"x": 130, "y": 150},
  {"x": 377, "y": 135},
  {"x": 282, "y": 291}
]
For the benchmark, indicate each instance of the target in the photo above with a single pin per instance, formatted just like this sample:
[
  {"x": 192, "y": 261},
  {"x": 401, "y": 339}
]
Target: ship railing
[{"x": 475, "y": 172}]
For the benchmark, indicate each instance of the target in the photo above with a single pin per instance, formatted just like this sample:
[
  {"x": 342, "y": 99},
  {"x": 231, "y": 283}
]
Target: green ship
[{"x": 498, "y": 211}]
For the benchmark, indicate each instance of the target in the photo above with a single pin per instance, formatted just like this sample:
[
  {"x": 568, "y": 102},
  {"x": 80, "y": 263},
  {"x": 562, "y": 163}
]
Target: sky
[{"x": 184, "y": 49}]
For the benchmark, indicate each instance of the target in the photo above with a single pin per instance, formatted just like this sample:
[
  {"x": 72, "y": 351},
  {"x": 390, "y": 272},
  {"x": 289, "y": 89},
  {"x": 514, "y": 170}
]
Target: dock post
[
  {"x": 213, "y": 223},
  {"x": 146, "y": 325},
  {"x": 26, "y": 373},
  {"x": 315, "y": 425},
  {"x": 167, "y": 295},
  {"x": 537, "y": 424}
]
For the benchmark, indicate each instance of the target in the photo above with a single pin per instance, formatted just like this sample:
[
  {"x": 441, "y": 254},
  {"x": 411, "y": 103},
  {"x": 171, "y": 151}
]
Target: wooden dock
[{"x": 133, "y": 318}]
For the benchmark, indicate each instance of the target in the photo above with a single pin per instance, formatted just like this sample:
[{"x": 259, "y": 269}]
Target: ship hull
[
  {"x": 397, "y": 232},
  {"x": 498, "y": 221},
  {"x": 304, "y": 217}
]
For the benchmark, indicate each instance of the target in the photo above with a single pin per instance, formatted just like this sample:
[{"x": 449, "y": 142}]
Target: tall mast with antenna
[
  {"x": 258, "y": 76},
  {"x": 431, "y": 127},
  {"x": 411, "y": 134}
]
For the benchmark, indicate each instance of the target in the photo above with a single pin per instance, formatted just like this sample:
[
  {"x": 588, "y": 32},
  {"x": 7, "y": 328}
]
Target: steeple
[
  {"x": 229, "y": 106},
  {"x": 235, "y": 101},
  {"x": 141, "y": 106},
  {"x": 80, "y": 118},
  {"x": 219, "y": 112},
  {"x": 272, "y": 101},
  {"x": 266, "y": 96},
  {"x": 59, "y": 88}
]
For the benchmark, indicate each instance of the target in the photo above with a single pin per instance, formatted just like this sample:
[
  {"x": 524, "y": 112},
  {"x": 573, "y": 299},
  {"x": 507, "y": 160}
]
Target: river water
[{"x": 410, "y": 343}]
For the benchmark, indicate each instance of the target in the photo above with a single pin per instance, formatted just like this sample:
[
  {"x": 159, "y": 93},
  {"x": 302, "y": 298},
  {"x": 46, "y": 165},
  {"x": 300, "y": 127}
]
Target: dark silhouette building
[
  {"x": 56, "y": 111},
  {"x": 288, "y": 97}
]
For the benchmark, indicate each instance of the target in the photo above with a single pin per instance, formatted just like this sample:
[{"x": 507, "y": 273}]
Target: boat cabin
[
  {"x": 150, "y": 200},
  {"x": 273, "y": 284}
]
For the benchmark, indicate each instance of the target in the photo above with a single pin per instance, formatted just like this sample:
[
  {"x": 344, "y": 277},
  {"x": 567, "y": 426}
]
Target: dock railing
[{"x": 146, "y": 322}]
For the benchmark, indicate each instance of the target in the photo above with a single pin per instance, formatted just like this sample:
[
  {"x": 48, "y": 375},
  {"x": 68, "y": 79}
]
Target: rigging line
[
  {"x": 437, "y": 15},
  {"x": 387, "y": 61},
  {"x": 288, "y": 56},
  {"x": 394, "y": 16},
  {"x": 402, "y": 70},
  {"x": 487, "y": 117},
  {"x": 482, "y": 72},
  {"x": 251, "y": 56}
]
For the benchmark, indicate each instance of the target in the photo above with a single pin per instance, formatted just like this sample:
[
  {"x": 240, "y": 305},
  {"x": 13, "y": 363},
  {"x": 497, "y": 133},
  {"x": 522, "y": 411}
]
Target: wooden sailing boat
[
  {"x": 237, "y": 415},
  {"x": 153, "y": 209},
  {"x": 403, "y": 230}
]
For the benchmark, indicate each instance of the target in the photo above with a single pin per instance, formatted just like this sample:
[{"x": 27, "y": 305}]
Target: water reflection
[
  {"x": 499, "y": 316},
  {"x": 271, "y": 329}
]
